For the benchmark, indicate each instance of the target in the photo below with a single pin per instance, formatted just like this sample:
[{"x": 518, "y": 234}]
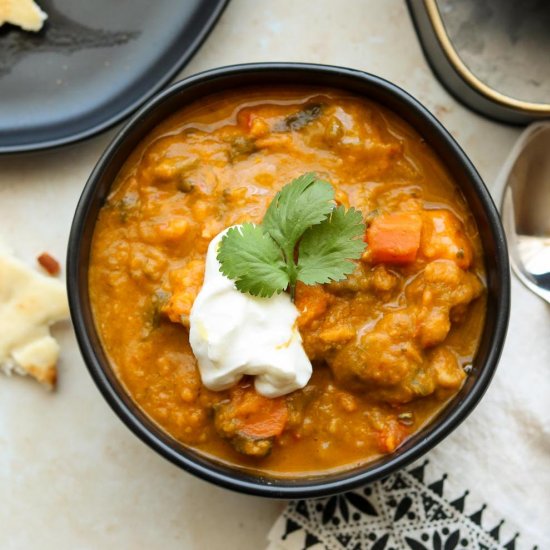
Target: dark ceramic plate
[{"x": 93, "y": 64}]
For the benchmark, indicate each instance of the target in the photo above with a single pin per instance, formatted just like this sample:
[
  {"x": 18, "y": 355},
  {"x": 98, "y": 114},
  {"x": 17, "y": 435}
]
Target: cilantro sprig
[{"x": 304, "y": 237}]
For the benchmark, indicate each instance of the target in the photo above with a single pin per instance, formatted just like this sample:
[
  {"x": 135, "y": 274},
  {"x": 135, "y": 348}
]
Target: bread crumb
[{"x": 49, "y": 263}]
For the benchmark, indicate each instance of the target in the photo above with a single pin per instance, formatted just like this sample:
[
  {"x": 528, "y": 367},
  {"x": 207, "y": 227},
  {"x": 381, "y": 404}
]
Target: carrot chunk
[
  {"x": 268, "y": 420},
  {"x": 394, "y": 238},
  {"x": 251, "y": 415}
]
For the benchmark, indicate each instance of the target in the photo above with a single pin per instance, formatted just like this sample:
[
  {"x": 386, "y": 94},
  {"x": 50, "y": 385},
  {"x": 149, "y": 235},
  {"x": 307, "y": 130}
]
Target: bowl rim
[{"x": 285, "y": 487}]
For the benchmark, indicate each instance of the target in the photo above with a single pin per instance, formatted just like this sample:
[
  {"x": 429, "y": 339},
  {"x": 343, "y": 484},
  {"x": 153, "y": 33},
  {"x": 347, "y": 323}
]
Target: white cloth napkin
[{"x": 487, "y": 486}]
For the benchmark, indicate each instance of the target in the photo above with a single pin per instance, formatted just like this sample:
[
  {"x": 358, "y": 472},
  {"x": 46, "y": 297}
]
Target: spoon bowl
[{"x": 526, "y": 208}]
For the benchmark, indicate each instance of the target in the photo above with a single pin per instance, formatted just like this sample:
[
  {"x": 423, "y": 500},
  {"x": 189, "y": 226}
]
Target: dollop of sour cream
[{"x": 233, "y": 334}]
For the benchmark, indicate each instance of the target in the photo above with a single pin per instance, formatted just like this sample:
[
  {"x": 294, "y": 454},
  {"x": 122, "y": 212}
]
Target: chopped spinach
[
  {"x": 241, "y": 146},
  {"x": 153, "y": 313},
  {"x": 125, "y": 205},
  {"x": 301, "y": 119}
]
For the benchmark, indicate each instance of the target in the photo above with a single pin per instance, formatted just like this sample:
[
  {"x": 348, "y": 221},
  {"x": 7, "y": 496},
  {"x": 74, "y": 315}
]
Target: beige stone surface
[{"x": 71, "y": 475}]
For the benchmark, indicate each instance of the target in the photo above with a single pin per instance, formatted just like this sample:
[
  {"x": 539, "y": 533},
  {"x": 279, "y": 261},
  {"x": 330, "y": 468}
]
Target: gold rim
[{"x": 472, "y": 80}]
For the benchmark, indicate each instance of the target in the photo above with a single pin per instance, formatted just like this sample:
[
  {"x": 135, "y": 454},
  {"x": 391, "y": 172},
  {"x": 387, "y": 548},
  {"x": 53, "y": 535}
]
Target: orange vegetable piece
[
  {"x": 394, "y": 238},
  {"x": 268, "y": 422},
  {"x": 312, "y": 301},
  {"x": 391, "y": 436},
  {"x": 443, "y": 237},
  {"x": 259, "y": 417}
]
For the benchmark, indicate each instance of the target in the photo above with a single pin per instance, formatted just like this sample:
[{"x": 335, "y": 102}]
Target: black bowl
[{"x": 465, "y": 175}]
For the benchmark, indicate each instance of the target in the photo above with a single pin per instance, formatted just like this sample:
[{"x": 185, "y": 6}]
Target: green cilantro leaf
[
  {"x": 249, "y": 256},
  {"x": 306, "y": 201},
  {"x": 302, "y": 237},
  {"x": 326, "y": 250}
]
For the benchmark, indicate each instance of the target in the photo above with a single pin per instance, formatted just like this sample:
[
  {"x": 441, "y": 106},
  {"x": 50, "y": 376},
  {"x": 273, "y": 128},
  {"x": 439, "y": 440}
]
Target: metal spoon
[{"x": 525, "y": 208}]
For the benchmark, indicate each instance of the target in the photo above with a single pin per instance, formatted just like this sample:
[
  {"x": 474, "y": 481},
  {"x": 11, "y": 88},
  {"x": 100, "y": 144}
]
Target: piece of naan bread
[
  {"x": 23, "y": 13},
  {"x": 29, "y": 304}
]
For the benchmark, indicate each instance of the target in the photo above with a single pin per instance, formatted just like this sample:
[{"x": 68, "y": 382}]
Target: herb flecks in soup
[{"x": 388, "y": 344}]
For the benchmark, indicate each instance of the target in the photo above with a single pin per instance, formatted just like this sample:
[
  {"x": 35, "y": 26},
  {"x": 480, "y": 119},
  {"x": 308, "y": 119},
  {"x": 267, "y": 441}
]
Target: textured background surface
[{"x": 72, "y": 476}]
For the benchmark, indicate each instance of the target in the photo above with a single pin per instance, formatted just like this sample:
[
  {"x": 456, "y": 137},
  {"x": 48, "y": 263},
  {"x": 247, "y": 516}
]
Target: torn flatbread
[
  {"x": 29, "y": 303},
  {"x": 23, "y": 13}
]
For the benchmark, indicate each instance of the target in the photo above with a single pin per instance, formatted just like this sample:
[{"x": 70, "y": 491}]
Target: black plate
[{"x": 93, "y": 64}]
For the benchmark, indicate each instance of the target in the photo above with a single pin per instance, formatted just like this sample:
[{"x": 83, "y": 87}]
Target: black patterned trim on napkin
[{"x": 409, "y": 510}]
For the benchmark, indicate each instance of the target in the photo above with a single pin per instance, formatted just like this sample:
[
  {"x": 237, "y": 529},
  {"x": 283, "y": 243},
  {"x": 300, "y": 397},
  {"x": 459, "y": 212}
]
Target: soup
[{"x": 390, "y": 344}]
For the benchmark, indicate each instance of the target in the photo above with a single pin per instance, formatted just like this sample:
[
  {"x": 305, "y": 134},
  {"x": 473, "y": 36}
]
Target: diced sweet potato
[
  {"x": 394, "y": 238},
  {"x": 443, "y": 237},
  {"x": 311, "y": 301},
  {"x": 442, "y": 286},
  {"x": 185, "y": 284}
]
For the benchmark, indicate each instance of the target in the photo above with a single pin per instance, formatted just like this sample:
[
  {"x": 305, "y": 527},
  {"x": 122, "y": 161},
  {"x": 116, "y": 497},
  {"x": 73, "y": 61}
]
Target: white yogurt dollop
[{"x": 233, "y": 334}]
